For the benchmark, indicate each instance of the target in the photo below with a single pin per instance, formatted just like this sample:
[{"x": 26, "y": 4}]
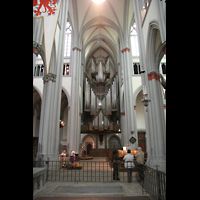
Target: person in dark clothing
[{"x": 115, "y": 161}]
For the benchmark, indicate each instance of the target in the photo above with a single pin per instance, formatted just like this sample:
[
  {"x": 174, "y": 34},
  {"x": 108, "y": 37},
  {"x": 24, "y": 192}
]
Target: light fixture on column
[
  {"x": 145, "y": 101},
  {"x": 62, "y": 123}
]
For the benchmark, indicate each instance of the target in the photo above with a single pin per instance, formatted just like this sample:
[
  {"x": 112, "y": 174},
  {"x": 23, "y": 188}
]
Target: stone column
[
  {"x": 34, "y": 60},
  {"x": 44, "y": 139},
  {"x": 124, "y": 137},
  {"x": 128, "y": 96},
  {"x": 74, "y": 126},
  {"x": 50, "y": 113},
  {"x": 156, "y": 111},
  {"x": 106, "y": 141},
  {"x": 97, "y": 136},
  {"x": 143, "y": 66}
]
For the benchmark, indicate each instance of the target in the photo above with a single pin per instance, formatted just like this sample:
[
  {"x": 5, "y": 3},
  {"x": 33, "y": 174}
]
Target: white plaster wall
[
  {"x": 38, "y": 84},
  {"x": 65, "y": 119},
  {"x": 66, "y": 84},
  {"x": 136, "y": 82},
  {"x": 140, "y": 118}
]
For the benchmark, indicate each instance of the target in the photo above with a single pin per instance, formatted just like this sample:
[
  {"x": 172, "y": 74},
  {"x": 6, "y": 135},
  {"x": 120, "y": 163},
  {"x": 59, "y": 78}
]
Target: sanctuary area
[{"x": 99, "y": 79}]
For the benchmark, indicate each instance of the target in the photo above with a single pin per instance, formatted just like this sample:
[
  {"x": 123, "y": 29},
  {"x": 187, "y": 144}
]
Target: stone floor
[
  {"x": 90, "y": 189},
  {"x": 96, "y": 198}
]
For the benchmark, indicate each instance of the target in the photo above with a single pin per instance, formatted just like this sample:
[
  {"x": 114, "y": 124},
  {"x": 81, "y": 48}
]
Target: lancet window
[
  {"x": 134, "y": 41},
  {"x": 67, "y": 47}
]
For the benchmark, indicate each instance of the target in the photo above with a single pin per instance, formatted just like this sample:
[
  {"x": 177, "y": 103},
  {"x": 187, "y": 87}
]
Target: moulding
[
  {"x": 76, "y": 48},
  {"x": 124, "y": 50},
  {"x": 164, "y": 47},
  {"x": 153, "y": 75},
  {"x": 37, "y": 48},
  {"x": 49, "y": 77}
]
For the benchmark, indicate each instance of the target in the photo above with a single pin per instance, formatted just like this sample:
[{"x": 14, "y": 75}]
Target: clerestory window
[
  {"x": 134, "y": 41},
  {"x": 67, "y": 48}
]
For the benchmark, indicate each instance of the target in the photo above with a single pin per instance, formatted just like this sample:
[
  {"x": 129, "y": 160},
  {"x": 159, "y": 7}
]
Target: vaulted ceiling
[{"x": 101, "y": 28}]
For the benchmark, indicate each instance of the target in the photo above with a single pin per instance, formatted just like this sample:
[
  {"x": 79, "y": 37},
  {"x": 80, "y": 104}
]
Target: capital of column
[
  {"x": 124, "y": 50},
  {"x": 37, "y": 48},
  {"x": 49, "y": 77},
  {"x": 153, "y": 75},
  {"x": 76, "y": 48}
]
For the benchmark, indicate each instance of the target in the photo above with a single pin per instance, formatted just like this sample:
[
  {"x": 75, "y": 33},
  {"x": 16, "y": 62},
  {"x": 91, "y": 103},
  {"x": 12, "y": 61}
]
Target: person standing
[
  {"x": 140, "y": 163},
  {"x": 115, "y": 161},
  {"x": 129, "y": 164}
]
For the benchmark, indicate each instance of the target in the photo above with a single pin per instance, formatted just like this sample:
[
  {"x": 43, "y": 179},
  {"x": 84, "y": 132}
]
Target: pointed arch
[
  {"x": 150, "y": 47},
  {"x": 67, "y": 95},
  {"x": 137, "y": 91},
  {"x": 116, "y": 138}
]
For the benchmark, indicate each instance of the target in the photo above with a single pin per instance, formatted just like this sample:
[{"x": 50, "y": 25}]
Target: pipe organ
[{"x": 101, "y": 95}]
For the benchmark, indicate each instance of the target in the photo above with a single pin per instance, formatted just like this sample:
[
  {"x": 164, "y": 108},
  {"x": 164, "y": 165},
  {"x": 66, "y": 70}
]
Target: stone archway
[
  {"x": 114, "y": 142},
  {"x": 88, "y": 143}
]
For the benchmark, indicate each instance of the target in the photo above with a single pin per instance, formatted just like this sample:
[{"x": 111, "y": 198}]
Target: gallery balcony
[{"x": 113, "y": 128}]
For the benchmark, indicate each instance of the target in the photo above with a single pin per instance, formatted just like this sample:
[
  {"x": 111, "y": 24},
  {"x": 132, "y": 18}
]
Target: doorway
[
  {"x": 86, "y": 141},
  {"x": 142, "y": 140},
  {"x": 89, "y": 147}
]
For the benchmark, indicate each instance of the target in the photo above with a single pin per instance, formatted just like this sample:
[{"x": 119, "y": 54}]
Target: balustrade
[{"x": 39, "y": 179}]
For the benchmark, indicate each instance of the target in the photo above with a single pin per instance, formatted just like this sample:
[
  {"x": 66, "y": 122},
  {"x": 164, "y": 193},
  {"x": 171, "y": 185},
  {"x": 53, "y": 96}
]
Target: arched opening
[
  {"x": 140, "y": 117},
  {"x": 140, "y": 120},
  {"x": 162, "y": 71},
  {"x": 63, "y": 118},
  {"x": 114, "y": 142},
  {"x": 88, "y": 144},
  {"x": 39, "y": 69},
  {"x": 36, "y": 120}
]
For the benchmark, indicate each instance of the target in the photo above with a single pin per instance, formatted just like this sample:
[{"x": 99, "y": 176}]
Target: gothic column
[
  {"x": 74, "y": 126},
  {"x": 34, "y": 60},
  {"x": 143, "y": 67},
  {"x": 154, "y": 118},
  {"x": 97, "y": 138},
  {"x": 58, "y": 85},
  {"x": 105, "y": 141},
  {"x": 156, "y": 111},
  {"x": 48, "y": 146},
  {"x": 128, "y": 97},
  {"x": 44, "y": 139}
]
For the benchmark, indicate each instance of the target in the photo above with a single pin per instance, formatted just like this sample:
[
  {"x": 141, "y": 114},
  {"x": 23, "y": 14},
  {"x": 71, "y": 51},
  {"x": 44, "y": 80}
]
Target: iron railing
[
  {"x": 153, "y": 181},
  {"x": 97, "y": 171}
]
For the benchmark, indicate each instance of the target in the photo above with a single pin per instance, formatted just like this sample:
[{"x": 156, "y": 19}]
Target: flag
[{"x": 48, "y": 10}]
